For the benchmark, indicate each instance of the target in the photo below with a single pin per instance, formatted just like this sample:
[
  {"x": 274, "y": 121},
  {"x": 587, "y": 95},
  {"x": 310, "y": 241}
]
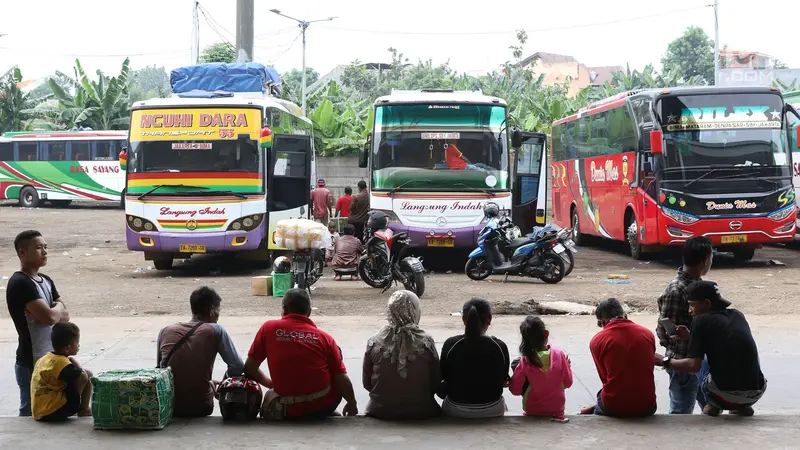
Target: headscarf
[{"x": 401, "y": 339}]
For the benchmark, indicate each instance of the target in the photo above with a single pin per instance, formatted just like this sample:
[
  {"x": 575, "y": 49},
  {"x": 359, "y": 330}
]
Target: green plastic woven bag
[{"x": 133, "y": 399}]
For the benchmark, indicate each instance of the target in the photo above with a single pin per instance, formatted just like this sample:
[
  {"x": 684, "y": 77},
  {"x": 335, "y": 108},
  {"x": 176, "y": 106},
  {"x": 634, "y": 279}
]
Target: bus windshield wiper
[
  {"x": 700, "y": 177},
  {"x": 476, "y": 189},
  {"x": 235, "y": 194},
  {"x": 159, "y": 186},
  {"x": 395, "y": 189}
]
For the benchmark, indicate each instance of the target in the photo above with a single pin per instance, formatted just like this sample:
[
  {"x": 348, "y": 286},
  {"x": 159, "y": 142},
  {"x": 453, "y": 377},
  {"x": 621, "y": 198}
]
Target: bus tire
[
  {"x": 28, "y": 197},
  {"x": 163, "y": 264},
  {"x": 632, "y": 235},
  {"x": 578, "y": 237}
]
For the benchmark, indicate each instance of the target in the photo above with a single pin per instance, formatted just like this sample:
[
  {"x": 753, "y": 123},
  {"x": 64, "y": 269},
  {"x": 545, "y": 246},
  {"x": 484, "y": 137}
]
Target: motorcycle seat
[{"x": 519, "y": 242}]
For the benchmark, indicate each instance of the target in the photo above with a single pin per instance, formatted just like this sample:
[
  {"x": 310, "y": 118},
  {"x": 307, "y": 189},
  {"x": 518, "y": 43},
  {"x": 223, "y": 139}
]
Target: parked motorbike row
[{"x": 546, "y": 253}]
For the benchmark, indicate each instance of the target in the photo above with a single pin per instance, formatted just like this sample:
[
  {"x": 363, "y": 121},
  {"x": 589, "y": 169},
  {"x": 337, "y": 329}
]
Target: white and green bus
[{"x": 62, "y": 166}]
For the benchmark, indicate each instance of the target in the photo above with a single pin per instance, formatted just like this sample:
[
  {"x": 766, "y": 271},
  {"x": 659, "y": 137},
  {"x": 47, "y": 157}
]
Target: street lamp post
[{"x": 303, "y": 25}]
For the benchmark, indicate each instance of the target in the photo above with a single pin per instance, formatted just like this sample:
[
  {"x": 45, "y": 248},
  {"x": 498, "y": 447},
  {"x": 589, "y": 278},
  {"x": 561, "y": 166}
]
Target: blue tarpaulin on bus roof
[{"x": 248, "y": 77}]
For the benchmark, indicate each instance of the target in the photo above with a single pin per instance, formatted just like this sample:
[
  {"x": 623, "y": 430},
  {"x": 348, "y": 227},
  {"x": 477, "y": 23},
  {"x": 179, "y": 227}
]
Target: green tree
[
  {"x": 219, "y": 52},
  {"x": 149, "y": 82},
  {"x": 293, "y": 83},
  {"x": 691, "y": 55},
  {"x": 103, "y": 104},
  {"x": 15, "y": 104}
]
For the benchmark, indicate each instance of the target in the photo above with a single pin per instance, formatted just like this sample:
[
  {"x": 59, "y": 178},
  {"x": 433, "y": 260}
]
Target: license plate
[
  {"x": 442, "y": 242},
  {"x": 192, "y": 248},
  {"x": 734, "y": 239},
  {"x": 558, "y": 248}
]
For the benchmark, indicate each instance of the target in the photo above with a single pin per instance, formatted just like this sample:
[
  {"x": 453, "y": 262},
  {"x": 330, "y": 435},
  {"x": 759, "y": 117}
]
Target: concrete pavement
[
  {"x": 126, "y": 343},
  {"x": 667, "y": 432}
]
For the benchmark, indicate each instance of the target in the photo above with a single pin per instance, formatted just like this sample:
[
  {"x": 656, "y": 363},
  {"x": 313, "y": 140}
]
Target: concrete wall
[{"x": 340, "y": 172}]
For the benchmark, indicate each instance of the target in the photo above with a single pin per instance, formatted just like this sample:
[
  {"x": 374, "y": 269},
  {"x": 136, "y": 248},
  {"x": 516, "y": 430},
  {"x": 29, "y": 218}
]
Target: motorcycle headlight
[
  {"x": 782, "y": 213},
  {"x": 679, "y": 216}
]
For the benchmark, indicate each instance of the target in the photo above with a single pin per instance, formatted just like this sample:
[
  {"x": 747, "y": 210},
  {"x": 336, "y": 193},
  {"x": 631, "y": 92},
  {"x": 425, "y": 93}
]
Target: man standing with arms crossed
[
  {"x": 674, "y": 306},
  {"x": 34, "y": 306},
  {"x": 359, "y": 209}
]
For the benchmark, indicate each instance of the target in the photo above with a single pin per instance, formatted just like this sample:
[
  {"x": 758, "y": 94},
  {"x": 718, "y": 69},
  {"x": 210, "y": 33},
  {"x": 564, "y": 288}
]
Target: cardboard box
[{"x": 261, "y": 286}]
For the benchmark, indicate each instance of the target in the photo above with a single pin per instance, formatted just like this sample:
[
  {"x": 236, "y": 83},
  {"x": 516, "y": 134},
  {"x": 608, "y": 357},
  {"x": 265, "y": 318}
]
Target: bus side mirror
[
  {"x": 656, "y": 142},
  {"x": 516, "y": 138},
  {"x": 123, "y": 159}
]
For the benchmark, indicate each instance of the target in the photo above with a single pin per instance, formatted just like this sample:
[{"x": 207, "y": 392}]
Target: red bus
[{"x": 656, "y": 167}]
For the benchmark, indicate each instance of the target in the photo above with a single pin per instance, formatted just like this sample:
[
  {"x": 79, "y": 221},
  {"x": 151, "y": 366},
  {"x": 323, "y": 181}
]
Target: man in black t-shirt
[
  {"x": 34, "y": 306},
  {"x": 730, "y": 376}
]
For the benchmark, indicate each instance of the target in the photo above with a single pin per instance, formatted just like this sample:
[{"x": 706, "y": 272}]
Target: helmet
[
  {"x": 282, "y": 264},
  {"x": 239, "y": 398},
  {"x": 378, "y": 220},
  {"x": 491, "y": 210}
]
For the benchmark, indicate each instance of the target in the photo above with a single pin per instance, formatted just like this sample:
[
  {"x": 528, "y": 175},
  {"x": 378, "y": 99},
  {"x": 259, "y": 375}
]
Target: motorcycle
[
  {"x": 536, "y": 256},
  {"x": 307, "y": 267},
  {"x": 384, "y": 261},
  {"x": 564, "y": 237}
]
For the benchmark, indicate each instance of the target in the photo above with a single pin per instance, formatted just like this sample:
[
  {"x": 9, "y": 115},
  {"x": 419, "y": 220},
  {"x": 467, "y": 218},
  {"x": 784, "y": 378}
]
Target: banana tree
[
  {"x": 15, "y": 104},
  {"x": 103, "y": 104}
]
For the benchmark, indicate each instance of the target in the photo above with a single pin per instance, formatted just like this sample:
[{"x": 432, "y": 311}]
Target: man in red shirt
[
  {"x": 343, "y": 203},
  {"x": 322, "y": 199},
  {"x": 623, "y": 353},
  {"x": 304, "y": 362},
  {"x": 454, "y": 158}
]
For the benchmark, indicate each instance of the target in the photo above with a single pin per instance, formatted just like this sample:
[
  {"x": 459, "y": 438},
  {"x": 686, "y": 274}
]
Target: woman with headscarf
[
  {"x": 401, "y": 365},
  {"x": 474, "y": 367}
]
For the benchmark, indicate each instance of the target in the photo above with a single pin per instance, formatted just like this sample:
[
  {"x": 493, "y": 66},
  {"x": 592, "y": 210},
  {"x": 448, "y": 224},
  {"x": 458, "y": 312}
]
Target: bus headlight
[
  {"x": 138, "y": 224},
  {"x": 679, "y": 216},
  {"x": 782, "y": 213},
  {"x": 246, "y": 223}
]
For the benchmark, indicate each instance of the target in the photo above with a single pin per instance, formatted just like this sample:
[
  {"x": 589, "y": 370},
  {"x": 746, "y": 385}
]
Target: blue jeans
[
  {"x": 682, "y": 392},
  {"x": 23, "y": 376},
  {"x": 702, "y": 391}
]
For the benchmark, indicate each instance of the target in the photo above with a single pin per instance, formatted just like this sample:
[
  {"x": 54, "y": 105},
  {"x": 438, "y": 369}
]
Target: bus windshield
[
  {"x": 719, "y": 130},
  {"x": 442, "y": 146}
]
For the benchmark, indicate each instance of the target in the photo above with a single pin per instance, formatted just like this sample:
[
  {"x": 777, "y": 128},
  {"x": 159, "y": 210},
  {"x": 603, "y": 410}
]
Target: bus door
[
  {"x": 288, "y": 180},
  {"x": 529, "y": 184}
]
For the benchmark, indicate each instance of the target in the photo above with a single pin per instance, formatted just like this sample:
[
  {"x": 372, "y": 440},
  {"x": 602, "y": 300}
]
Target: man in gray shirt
[
  {"x": 34, "y": 306},
  {"x": 192, "y": 363}
]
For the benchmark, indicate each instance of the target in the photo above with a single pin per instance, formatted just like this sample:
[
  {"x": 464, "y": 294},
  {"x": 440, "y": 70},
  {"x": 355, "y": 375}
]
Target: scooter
[
  {"x": 536, "y": 256},
  {"x": 384, "y": 261}
]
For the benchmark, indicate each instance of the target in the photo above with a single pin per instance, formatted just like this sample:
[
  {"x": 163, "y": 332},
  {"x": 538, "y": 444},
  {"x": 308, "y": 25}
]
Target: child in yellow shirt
[{"x": 60, "y": 387}]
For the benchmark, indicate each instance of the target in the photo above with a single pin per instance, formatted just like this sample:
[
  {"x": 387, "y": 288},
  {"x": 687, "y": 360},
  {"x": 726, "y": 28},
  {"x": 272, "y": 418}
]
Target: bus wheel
[
  {"x": 633, "y": 240},
  {"x": 743, "y": 255},
  {"x": 578, "y": 237},
  {"x": 28, "y": 197},
  {"x": 163, "y": 264}
]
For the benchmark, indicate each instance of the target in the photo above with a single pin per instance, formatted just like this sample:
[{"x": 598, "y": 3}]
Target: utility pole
[
  {"x": 716, "y": 43},
  {"x": 244, "y": 31},
  {"x": 303, "y": 25},
  {"x": 195, "y": 48}
]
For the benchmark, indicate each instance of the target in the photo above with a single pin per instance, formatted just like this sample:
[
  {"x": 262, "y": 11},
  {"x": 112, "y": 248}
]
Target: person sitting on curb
[
  {"x": 305, "y": 363},
  {"x": 623, "y": 354},
  {"x": 347, "y": 251},
  {"x": 730, "y": 375},
  {"x": 190, "y": 349}
]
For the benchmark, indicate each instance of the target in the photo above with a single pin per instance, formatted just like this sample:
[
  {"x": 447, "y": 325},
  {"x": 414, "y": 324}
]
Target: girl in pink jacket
[{"x": 542, "y": 373}]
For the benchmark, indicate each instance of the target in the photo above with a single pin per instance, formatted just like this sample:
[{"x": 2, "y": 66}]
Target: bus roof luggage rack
[{"x": 236, "y": 78}]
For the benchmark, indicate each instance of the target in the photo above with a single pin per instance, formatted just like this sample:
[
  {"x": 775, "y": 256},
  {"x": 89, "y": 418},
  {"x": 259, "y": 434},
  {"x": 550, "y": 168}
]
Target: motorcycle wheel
[
  {"x": 571, "y": 263},
  {"x": 300, "y": 279},
  {"x": 415, "y": 283},
  {"x": 556, "y": 268},
  {"x": 477, "y": 268},
  {"x": 317, "y": 267},
  {"x": 366, "y": 274}
]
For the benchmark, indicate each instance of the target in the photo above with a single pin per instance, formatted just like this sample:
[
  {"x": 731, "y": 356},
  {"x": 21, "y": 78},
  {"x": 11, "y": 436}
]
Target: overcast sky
[{"x": 47, "y": 35}]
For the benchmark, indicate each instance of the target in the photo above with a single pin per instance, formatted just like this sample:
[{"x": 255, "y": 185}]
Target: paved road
[
  {"x": 668, "y": 432},
  {"x": 123, "y": 343}
]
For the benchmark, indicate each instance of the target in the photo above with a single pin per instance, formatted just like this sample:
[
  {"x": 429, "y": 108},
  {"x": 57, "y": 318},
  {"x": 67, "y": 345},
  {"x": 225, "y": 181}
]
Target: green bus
[{"x": 59, "y": 167}]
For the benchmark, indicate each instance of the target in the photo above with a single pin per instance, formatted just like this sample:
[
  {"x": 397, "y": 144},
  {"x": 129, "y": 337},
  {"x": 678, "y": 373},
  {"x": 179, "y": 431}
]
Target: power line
[
  {"x": 213, "y": 28},
  {"x": 533, "y": 30},
  {"x": 280, "y": 55},
  {"x": 216, "y": 23},
  {"x": 85, "y": 55}
]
